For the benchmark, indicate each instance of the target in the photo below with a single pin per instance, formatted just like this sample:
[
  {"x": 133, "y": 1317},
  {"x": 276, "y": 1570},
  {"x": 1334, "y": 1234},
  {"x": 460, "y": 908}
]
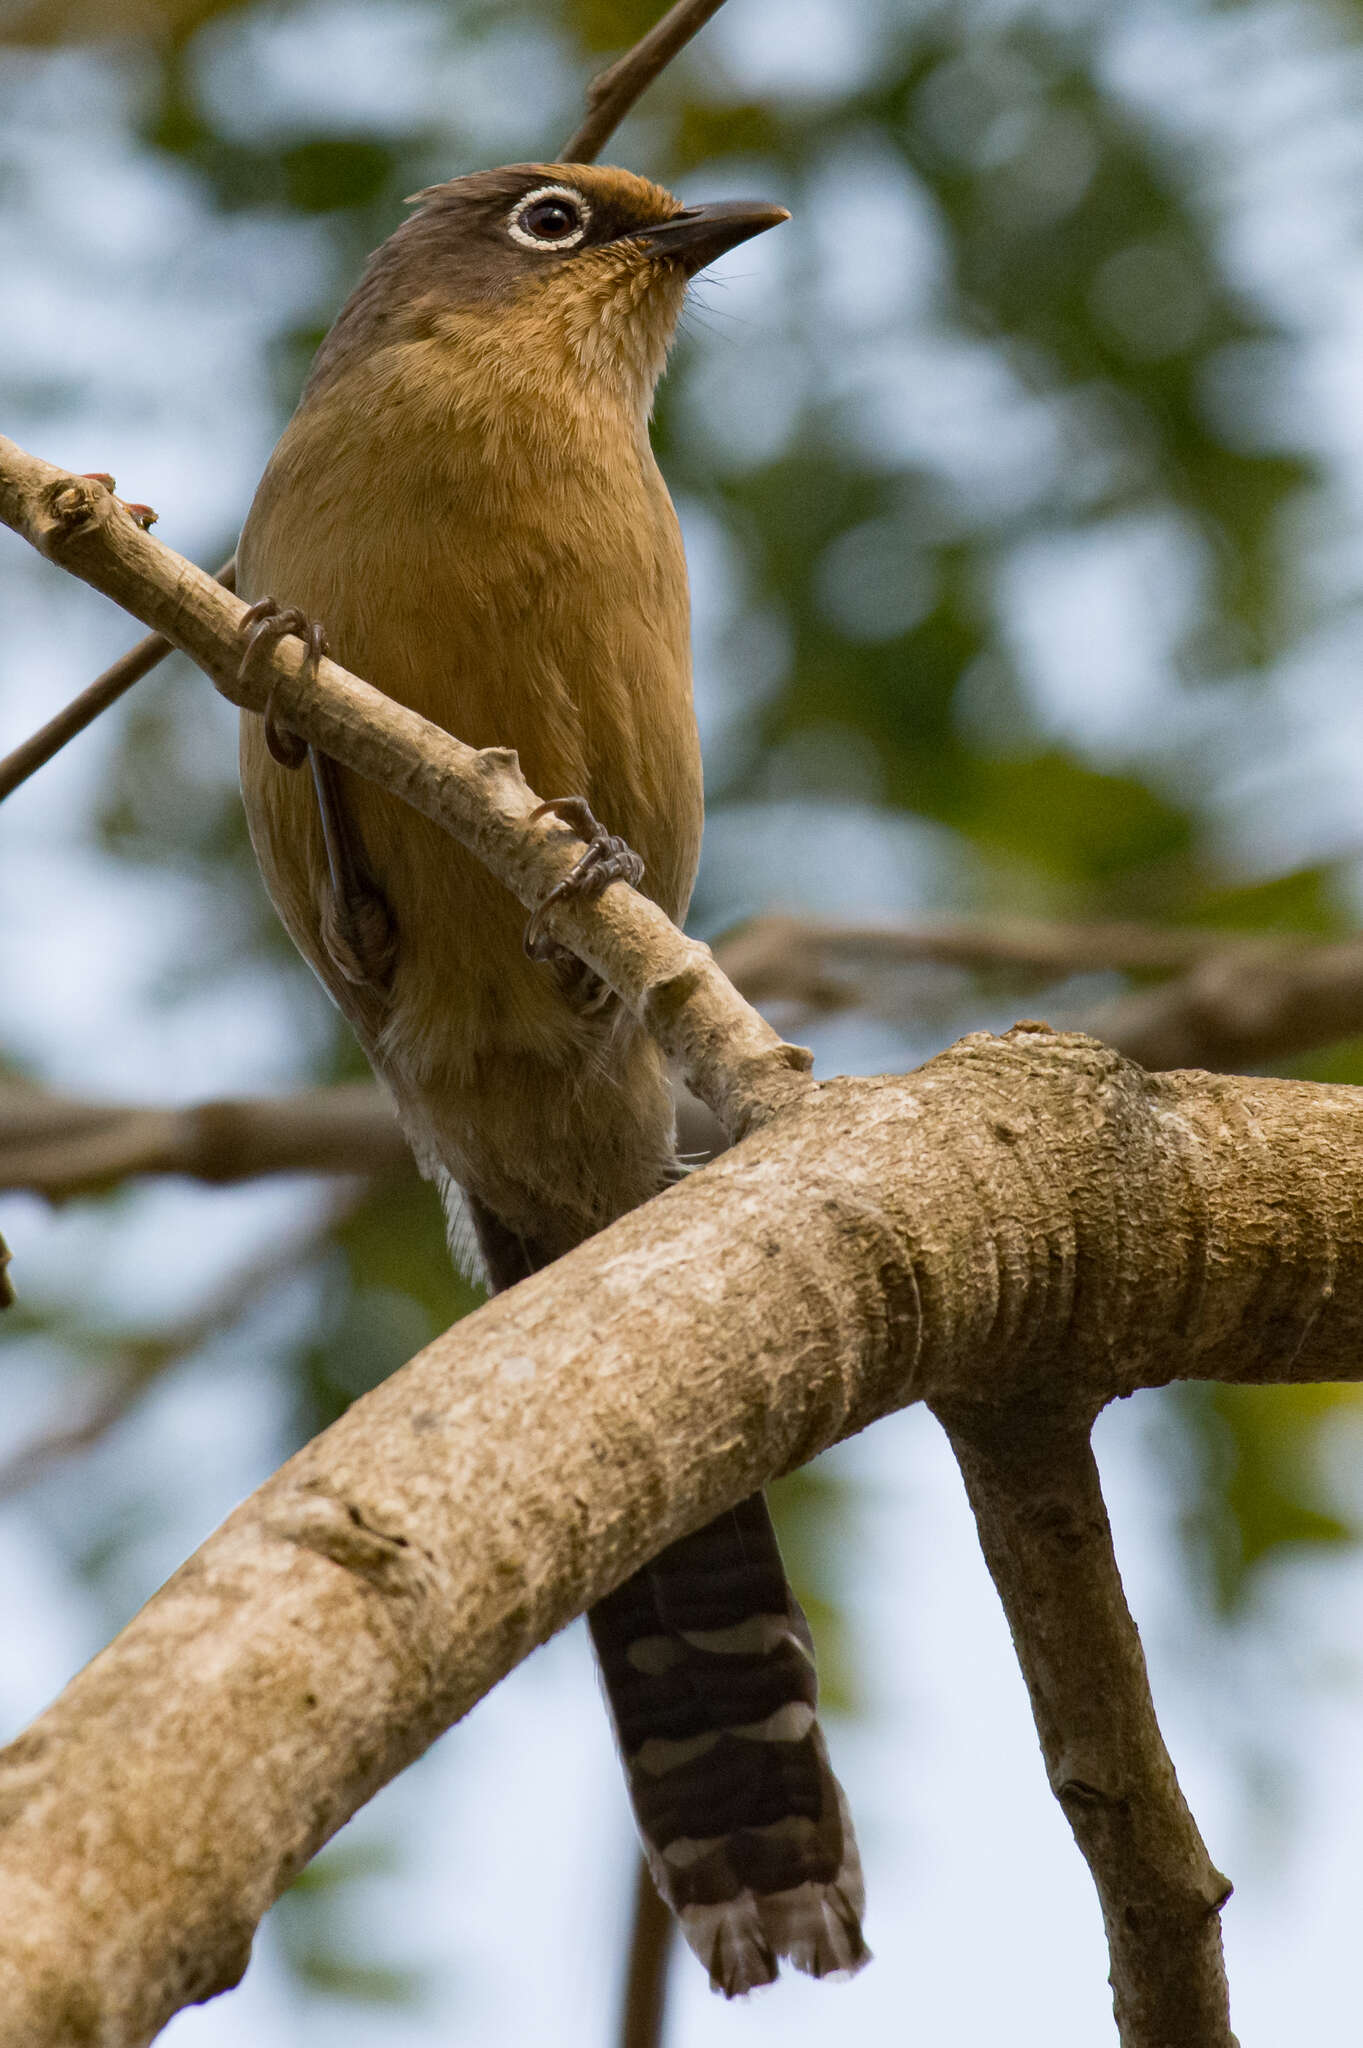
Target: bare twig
[
  {"x": 141, "y": 1361},
  {"x": 1033, "y": 1486},
  {"x": 1257, "y": 998},
  {"x": 35, "y": 752},
  {"x": 123, "y": 1387},
  {"x": 56, "y": 1146},
  {"x": 1244, "y": 1005},
  {"x": 614, "y": 91},
  {"x": 1238, "y": 1000},
  {"x": 823, "y": 965},
  {"x": 650, "y": 1945}
]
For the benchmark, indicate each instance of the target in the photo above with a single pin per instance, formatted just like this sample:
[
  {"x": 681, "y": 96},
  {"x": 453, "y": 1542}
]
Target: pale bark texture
[{"x": 1027, "y": 1225}]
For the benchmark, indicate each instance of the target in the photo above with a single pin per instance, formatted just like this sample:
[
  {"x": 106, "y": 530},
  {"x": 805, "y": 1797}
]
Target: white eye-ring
[{"x": 551, "y": 217}]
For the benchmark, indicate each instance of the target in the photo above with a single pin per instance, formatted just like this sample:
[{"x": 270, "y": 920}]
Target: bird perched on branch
[{"x": 467, "y": 505}]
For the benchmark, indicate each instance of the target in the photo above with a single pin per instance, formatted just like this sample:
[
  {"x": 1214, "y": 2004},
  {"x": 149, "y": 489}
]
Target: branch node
[
  {"x": 665, "y": 1000},
  {"x": 339, "y": 1530},
  {"x": 70, "y": 506},
  {"x": 491, "y": 763},
  {"x": 1077, "y": 1792}
]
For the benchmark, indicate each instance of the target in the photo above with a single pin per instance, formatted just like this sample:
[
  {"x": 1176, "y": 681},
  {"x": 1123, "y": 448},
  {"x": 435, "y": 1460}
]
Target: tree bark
[
  {"x": 1033, "y": 1485},
  {"x": 1027, "y": 1225}
]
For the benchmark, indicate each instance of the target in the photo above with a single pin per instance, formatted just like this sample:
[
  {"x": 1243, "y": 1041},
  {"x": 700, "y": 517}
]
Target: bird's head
[{"x": 548, "y": 272}]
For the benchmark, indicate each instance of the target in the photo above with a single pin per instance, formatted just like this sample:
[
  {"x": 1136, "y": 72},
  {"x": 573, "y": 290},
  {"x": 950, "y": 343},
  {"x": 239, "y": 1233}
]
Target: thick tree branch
[
  {"x": 1028, "y": 1224},
  {"x": 732, "y": 1060}
]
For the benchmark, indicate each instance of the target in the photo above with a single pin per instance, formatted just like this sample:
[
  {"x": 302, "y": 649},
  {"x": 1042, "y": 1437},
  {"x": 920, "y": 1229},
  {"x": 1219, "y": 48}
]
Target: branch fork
[{"x": 876, "y": 1242}]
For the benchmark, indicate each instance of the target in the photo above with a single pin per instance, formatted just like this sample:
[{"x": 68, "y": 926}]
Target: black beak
[{"x": 698, "y": 234}]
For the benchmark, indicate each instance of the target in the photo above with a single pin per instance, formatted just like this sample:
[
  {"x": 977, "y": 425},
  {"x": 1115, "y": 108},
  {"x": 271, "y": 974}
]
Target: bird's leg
[{"x": 358, "y": 928}]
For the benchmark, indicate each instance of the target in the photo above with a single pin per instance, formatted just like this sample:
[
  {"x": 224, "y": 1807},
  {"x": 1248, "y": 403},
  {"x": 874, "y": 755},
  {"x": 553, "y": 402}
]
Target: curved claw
[
  {"x": 605, "y": 859},
  {"x": 267, "y": 621}
]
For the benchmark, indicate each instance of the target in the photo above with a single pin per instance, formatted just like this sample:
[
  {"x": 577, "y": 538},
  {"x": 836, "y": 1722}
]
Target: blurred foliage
[
  {"x": 39, "y": 23},
  {"x": 1263, "y": 1494},
  {"x": 814, "y": 1510},
  {"x": 393, "y": 1288},
  {"x": 307, "y": 1916},
  {"x": 1070, "y": 289}
]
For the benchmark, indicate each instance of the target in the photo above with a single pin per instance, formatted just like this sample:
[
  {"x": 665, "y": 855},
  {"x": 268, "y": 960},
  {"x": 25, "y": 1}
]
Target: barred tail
[
  {"x": 708, "y": 1666},
  {"x": 709, "y": 1669}
]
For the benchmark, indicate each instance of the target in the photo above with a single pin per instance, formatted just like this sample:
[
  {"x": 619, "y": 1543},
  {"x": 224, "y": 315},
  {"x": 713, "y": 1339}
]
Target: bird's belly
[{"x": 516, "y": 659}]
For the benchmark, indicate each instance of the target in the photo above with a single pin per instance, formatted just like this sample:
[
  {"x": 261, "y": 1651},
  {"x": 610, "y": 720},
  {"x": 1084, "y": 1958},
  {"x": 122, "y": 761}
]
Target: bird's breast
[{"x": 521, "y": 583}]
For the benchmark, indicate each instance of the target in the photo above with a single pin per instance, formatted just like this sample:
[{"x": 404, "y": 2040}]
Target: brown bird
[{"x": 467, "y": 503}]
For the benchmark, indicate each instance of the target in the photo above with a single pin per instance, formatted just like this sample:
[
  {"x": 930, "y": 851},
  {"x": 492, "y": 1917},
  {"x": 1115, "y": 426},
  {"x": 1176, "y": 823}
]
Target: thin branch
[
  {"x": 55, "y": 1146},
  {"x": 644, "y": 2006},
  {"x": 1238, "y": 1000},
  {"x": 1033, "y": 1486},
  {"x": 1027, "y": 1226},
  {"x": 36, "y": 751},
  {"x": 731, "y": 1058},
  {"x": 823, "y": 965},
  {"x": 122, "y": 1390},
  {"x": 1257, "y": 998},
  {"x": 1241, "y": 1007},
  {"x": 614, "y": 91}
]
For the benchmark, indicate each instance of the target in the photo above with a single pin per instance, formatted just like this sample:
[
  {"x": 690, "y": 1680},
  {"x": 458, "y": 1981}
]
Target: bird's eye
[
  {"x": 549, "y": 220},
  {"x": 552, "y": 218}
]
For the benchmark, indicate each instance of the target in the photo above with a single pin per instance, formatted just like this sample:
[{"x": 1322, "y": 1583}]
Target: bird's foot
[
  {"x": 141, "y": 515},
  {"x": 268, "y": 621},
  {"x": 606, "y": 859},
  {"x": 360, "y": 934},
  {"x": 359, "y": 930}
]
